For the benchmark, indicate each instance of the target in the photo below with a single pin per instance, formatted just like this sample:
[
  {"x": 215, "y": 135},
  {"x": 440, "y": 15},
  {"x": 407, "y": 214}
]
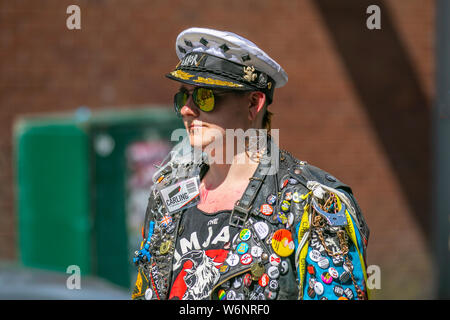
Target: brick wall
[{"x": 327, "y": 113}]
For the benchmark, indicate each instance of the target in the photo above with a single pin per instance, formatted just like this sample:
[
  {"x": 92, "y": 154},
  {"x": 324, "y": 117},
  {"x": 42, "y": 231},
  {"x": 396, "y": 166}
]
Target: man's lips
[{"x": 195, "y": 125}]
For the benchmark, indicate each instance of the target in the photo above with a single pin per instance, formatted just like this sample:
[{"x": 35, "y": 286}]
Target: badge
[
  {"x": 323, "y": 263},
  {"x": 232, "y": 260},
  {"x": 264, "y": 280},
  {"x": 315, "y": 255},
  {"x": 180, "y": 195},
  {"x": 344, "y": 277},
  {"x": 318, "y": 288},
  {"x": 257, "y": 270},
  {"x": 338, "y": 291},
  {"x": 281, "y": 216},
  {"x": 326, "y": 278},
  {"x": 242, "y": 248},
  {"x": 296, "y": 197},
  {"x": 284, "y": 267},
  {"x": 266, "y": 209},
  {"x": 288, "y": 196},
  {"x": 311, "y": 293},
  {"x": 256, "y": 251},
  {"x": 274, "y": 259},
  {"x": 282, "y": 243},
  {"x": 273, "y": 272},
  {"x": 348, "y": 293},
  {"x": 224, "y": 268},
  {"x": 290, "y": 219},
  {"x": 148, "y": 294},
  {"x": 222, "y": 295},
  {"x": 261, "y": 229},
  {"x": 237, "y": 283},
  {"x": 245, "y": 234},
  {"x": 285, "y": 205},
  {"x": 231, "y": 295},
  {"x": 333, "y": 272},
  {"x": 273, "y": 285},
  {"x": 272, "y": 199},
  {"x": 246, "y": 259},
  {"x": 165, "y": 247},
  {"x": 293, "y": 181},
  {"x": 247, "y": 280},
  {"x": 166, "y": 221},
  {"x": 270, "y": 294}
]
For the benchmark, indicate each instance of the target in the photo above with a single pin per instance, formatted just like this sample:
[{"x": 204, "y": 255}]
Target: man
[{"x": 234, "y": 224}]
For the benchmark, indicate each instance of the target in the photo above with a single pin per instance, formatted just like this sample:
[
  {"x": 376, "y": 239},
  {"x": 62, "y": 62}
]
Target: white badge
[{"x": 183, "y": 194}]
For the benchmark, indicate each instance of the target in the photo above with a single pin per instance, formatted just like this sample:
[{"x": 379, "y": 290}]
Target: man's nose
[{"x": 189, "y": 108}]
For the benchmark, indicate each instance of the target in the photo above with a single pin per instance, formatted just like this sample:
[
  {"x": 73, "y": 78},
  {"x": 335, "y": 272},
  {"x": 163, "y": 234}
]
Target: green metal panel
[
  {"x": 113, "y": 247},
  {"x": 52, "y": 195},
  {"x": 72, "y": 195}
]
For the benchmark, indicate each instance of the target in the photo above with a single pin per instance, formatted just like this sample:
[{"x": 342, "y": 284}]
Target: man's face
[{"x": 230, "y": 112}]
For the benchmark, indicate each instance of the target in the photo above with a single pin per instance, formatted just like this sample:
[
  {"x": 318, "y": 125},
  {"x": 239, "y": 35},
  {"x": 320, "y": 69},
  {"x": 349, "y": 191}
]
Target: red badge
[
  {"x": 264, "y": 280},
  {"x": 266, "y": 209}
]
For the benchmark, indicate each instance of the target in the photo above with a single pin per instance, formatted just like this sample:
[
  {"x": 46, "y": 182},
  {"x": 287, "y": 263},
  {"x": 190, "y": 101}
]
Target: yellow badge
[{"x": 282, "y": 243}]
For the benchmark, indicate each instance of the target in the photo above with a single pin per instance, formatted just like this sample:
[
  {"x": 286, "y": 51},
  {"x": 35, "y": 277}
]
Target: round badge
[
  {"x": 293, "y": 181},
  {"x": 338, "y": 291},
  {"x": 333, "y": 272},
  {"x": 348, "y": 293},
  {"x": 315, "y": 255},
  {"x": 284, "y": 267},
  {"x": 311, "y": 293},
  {"x": 242, "y": 248},
  {"x": 344, "y": 277},
  {"x": 326, "y": 278},
  {"x": 273, "y": 272},
  {"x": 296, "y": 197},
  {"x": 222, "y": 295},
  {"x": 231, "y": 295},
  {"x": 261, "y": 229},
  {"x": 282, "y": 243},
  {"x": 318, "y": 288},
  {"x": 290, "y": 219},
  {"x": 237, "y": 283},
  {"x": 148, "y": 294},
  {"x": 247, "y": 280},
  {"x": 232, "y": 260},
  {"x": 264, "y": 280},
  {"x": 266, "y": 209},
  {"x": 256, "y": 251},
  {"x": 285, "y": 205},
  {"x": 246, "y": 259},
  {"x": 282, "y": 218},
  {"x": 245, "y": 234},
  {"x": 323, "y": 263},
  {"x": 274, "y": 259},
  {"x": 288, "y": 196},
  {"x": 270, "y": 294},
  {"x": 311, "y": 270},
  {"x": 224, "y": 268},
  {"x": 271, "y": 199},
  {"x": 273, "y": 285}
]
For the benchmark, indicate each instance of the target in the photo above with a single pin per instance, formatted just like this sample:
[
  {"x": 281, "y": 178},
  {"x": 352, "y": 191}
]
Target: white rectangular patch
[{"x": 182, "y": 194}]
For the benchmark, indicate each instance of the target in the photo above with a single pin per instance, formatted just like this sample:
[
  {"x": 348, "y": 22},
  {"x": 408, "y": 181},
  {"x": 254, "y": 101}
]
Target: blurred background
[{"x": 85, "y": 114}]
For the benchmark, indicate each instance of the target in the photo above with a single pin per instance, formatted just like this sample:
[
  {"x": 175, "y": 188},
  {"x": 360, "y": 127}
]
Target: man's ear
[{"x": 257, "y": 100}]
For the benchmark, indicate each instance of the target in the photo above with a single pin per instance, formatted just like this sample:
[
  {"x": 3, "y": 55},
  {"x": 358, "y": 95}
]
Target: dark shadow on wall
[{"x": 384, "y": 78}]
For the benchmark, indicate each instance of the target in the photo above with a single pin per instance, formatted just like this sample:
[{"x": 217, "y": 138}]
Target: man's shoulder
[{"x": 312, "y": 173}]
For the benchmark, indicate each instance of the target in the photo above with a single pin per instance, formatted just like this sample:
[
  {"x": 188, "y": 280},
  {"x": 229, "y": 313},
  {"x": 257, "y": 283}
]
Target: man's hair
[{"x": 267, "y": 118}]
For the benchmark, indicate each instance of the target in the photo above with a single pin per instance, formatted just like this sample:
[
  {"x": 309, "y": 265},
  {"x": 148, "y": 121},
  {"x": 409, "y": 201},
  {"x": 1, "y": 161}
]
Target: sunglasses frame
[{"x": 216, "y": 93}]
